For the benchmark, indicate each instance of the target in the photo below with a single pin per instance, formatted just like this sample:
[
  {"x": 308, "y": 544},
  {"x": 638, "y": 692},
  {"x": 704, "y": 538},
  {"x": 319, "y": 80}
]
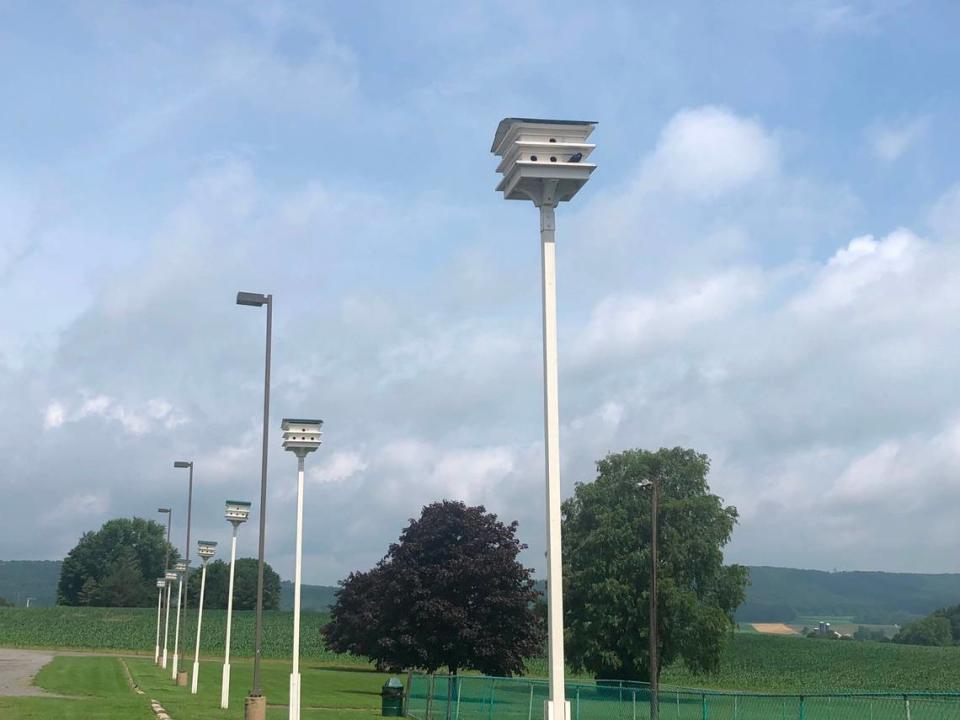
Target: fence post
[
  {"x": 801, "y": 708},
  {"x": 429, "y": 708},
  {"x": 906, "y": 703},
  {"x": 459, "y": 688},
  {"x": 406, "y": 693},
  {"x": 703, "y": 706},
  {"x": 449, "y": 714},
  {"x": 736, "y": 703},
  {"x": 678, "y": 705},
  {"x": 634, "y": 705},
  {"x": 530, "y": 709},
  {"x": 493, "y": 686},
  {"x": 578, "y": 704}
]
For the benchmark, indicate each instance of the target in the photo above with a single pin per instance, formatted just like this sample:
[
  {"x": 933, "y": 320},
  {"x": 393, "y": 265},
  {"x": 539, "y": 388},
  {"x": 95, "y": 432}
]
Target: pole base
[
  {"x": 163, "y": 663},
  {"x": 225, "y": 687},
  {"x": 254, "y": 707},
  {"x": 194, "y": 679},
  {"x": 182, "y": 678},
  {"x": 173, "y": 675},
  {"x": 156, "y": 655},
  {"x": 294, "y": 696},
  {"x": 551, "y": 710}
]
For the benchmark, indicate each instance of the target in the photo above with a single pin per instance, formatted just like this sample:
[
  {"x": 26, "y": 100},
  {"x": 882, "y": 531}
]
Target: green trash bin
[{"x": 391, "y": 698}]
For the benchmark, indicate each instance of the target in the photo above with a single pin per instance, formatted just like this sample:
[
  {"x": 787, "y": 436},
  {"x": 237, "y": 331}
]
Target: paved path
[{"x": 17, "y": 668}]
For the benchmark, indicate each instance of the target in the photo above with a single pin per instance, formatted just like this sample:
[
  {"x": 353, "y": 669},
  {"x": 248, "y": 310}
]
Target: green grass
[{"x": 134, "y": 630}]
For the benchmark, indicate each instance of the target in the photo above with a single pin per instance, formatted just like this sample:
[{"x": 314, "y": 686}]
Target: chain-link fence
[{"x": 471, "y": 697}]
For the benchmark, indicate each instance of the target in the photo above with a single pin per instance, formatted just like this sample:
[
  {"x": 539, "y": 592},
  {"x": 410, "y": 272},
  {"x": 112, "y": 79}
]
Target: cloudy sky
[{"x": 765, "y": 266}]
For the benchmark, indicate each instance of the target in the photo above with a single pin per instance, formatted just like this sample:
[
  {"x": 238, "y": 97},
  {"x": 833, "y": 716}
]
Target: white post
[
  {"x": 225, "y": 686},
  {"x": 176, "y": 637},
  {"x": 556, "y": 707},
  {"x": 196, "y": 652},
  {"x": 295, "y": 675},
  {"x": 156, "y": 651},
  {"x": 166, "y": 629}
]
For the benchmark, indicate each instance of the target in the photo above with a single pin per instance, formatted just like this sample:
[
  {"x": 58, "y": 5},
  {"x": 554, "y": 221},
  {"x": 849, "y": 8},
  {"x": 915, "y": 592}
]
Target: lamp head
[
  {"x": 252, "y": 299},
  {"x": 183, "y": 463},
  {"x": 237, "y": 511},
  {"x": 163, "y": 510}
]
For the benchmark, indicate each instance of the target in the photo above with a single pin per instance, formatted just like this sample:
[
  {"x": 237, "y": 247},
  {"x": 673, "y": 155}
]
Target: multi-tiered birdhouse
[
  {"x": 206, "y": 549},
  {"x": 161, "y": 583},
  {"x": 237, "y": 511},
  {"x": 171, "y": 576},
  {"x": 301, "y": 436},
  {"x": 543, "y": 160}
]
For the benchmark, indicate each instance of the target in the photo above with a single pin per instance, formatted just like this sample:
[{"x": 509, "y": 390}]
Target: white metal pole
[
  {"x": 295, "y": 675},
  {"x": 166, "y": 629},
  {"x": 557, "y": 707},
  {"x": 225, "y": 685},
  {"x": 156, "y": 651},
  {"x": 196, "y": 652},
  {"x": 176, "y": 637}
]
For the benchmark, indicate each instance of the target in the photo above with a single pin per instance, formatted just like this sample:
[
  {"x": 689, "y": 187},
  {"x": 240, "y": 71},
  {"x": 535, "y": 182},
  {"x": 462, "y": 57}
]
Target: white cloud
[
  {"x": 889, "y": 142},
  {"x": 340, "y": 466},
  {"x": 136, "y": 421}
]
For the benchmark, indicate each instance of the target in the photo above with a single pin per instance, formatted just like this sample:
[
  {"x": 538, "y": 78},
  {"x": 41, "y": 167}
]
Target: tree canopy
[
  {"x": 244, "y": 586},
  {"x": 116, "y": 566},
  {"x": 607, "y": 563},
  {"x": 450, "y": 593}
]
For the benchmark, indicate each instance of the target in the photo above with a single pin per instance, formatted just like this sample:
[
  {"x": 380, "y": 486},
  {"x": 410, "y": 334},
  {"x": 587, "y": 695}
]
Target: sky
[{"x": 765, "y": 267}]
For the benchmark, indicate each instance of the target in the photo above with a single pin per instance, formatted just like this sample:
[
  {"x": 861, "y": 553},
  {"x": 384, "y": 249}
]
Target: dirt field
[
  {"x": 17, "y": 668},
  {"x": 774, "y": 629}
]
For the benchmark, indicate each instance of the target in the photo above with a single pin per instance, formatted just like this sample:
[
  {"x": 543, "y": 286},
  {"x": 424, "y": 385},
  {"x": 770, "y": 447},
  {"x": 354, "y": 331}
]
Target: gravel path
[{"x": 17, "y": 668}]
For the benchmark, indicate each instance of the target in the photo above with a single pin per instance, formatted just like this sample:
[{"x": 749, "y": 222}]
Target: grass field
[{"x": 98, "y": 688}]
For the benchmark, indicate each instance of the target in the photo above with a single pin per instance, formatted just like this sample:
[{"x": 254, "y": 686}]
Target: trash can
[{"x": 391, "y": 698}]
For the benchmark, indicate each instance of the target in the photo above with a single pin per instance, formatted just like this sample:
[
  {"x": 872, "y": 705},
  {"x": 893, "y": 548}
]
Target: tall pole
[
  {"x": 186, "y": 575},
  {"x": 196, "y": 652},
  {"x": 166, "y": 629},
  {"x": 654, "y": 648},
  {"x": 166, "y": 568},
  {"x": 225, "y": 685},
  {"x": 176, "y": 637},
  {"x": 295, "y": 675},
  {"x": 258, "y": 632},
  {"x": 156, "y": 651},
  {"x": 552, "y": 452}
]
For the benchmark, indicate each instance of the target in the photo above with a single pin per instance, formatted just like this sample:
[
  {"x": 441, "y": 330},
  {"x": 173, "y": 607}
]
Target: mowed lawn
[{"x": 98, "y": 688}]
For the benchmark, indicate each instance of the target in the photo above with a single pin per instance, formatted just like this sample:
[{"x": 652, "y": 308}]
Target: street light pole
[
  {"x": 186, "y": 578},
  {"x": 654, "y": 646},
  {"x": 255, "y": 706},
  {"x": 300, "y": 437},
  {"x": 236, "y": 513},
  {"x": 205, "y": 549},
  {"x": 166, "y": 566},
  {"x": 542, "y": 162}
]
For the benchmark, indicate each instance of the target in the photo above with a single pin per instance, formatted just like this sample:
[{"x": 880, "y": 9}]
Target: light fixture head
[
  {"x": 301, "y": 436},
  {"x": 161, "y": 583},
  {"x": 237, "y": 511},
  {"x": 183, "y": 463},
  {"x": 163, "y": 510},
  {"x": 543, "y": 160},
  {"x": 253, "y": 299},
  {"x": 206, "y": 549}
]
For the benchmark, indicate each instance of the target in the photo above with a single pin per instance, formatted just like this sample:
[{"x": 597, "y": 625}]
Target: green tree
[
  {"x": 244, "y": 586},
  {"x": 934, "y": 629},
  {"x": 607, "y": 563},
  {"x": 450, "y": 593},
  {"x": 128, "y": 550},
  {"x": 5, "y": 603}
]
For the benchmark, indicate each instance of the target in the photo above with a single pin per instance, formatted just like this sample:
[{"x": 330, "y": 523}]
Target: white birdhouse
[
  {"x": 237, "y": 511},
  {"x": 180, "y": 567},
  {"x": 206, "y": 549},
  {"x": 301, "y": 436},
  {"x": 161, "y": 583},
  {"x": 171, "y": 576},
  {"x": 543, "y": 160}
]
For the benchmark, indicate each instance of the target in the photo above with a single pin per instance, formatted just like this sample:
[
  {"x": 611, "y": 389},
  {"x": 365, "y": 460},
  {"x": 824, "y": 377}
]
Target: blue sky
[{"x": 764, "y": 266}]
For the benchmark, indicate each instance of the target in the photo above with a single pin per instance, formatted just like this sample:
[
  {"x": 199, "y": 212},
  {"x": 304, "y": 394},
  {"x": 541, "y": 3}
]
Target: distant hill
[
  {"x": 785, "y": 595},
  {"x": 775, "y": 594},
  {"x": 37, "y": 579},
  {"x": 313, "y": 598}
]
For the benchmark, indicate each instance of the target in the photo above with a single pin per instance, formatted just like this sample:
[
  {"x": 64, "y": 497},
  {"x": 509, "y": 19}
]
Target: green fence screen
[{"x": 471, "y": 697}]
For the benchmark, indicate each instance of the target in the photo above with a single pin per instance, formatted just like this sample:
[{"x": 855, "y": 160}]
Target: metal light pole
[
  {"x": 205, "y": 549},
  {"x": 542, "y": 162},
  {"x": 161, "y": 583},
  {"x": 654, "y": 485},
  {"x": 181, "y": 568},
  {"x": 170, "y": 577},
  {"x": 166, "y": 566},
  {"x": 236, "y": 513},
  {"x": 300, "y": 437},
  {"x": 186, "y": 578},
  {"x": 255, "y": 706}
]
